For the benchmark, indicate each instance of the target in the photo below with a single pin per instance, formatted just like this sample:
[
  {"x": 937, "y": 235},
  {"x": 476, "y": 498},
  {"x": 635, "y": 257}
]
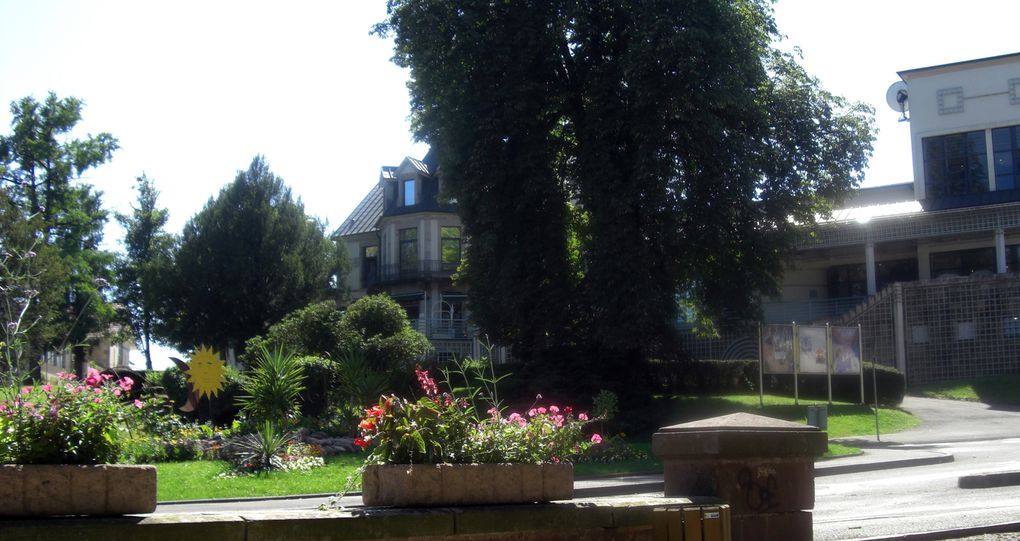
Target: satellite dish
[{"x": 896, "y": 97}]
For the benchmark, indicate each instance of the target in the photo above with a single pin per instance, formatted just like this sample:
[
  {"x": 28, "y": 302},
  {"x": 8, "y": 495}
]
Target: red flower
[
  {"x": 367, "y": 424},
  {"x": 361, "y": 443}
]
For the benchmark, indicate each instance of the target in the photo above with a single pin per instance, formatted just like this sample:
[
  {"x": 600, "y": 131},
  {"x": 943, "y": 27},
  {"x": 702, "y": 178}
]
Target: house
[
  {"x": 929, "y": 268},
  {"x": 406, "y": 240},
  {"x": 102, "y": 353}
]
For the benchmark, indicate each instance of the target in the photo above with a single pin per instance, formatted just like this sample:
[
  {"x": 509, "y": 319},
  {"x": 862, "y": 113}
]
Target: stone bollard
[{"x": 762, "y": 467}]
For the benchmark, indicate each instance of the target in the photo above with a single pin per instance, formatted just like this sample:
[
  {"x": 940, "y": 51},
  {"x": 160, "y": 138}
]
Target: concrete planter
[
  {"x": 103, "y": 489},
  {"x": 434, "y": 485}
]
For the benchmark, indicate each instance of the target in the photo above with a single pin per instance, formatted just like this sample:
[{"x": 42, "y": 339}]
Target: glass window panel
[
  {"x": 977, "y": 173},
  {"x": 934, "y": 149},
  {"x": 1002, "y": 139},
  {"x": 1003, "y": 163},
  {"x": 975, "y": 142},
  {"x": 371, "y": 251},
  {"x": 409, "y": 193},
  {"x": 1005, "y": 182},
  {"x": 408, "y": 249}
]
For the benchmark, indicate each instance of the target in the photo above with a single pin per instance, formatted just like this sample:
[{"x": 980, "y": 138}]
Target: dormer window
[{"x": 408, "y": 190}]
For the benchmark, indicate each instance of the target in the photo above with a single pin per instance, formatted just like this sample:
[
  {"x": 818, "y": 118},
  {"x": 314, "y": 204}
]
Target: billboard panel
[
  {"x": 814, "y": 353},
  {"x": 777, "y": 349},
  {"x": 846, "y": 351}
]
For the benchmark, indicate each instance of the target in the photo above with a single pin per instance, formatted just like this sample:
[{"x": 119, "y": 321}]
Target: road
[
  {"x": 981, "y": 438},
  {"x": 926, "y": 498}
]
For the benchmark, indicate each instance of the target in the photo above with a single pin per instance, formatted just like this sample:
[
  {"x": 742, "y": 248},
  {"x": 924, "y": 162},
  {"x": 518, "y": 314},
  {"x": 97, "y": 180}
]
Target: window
[
  {"x": 955, "y": 164},
  {"x": 963, "y": 262},
  {"x": 1006, "y": 155},
  {"x": 369, "y": 263},
  {"x": 408, "y": 249},
  {"x": 409, "y": 193},
  {"x": 450, "y": 247}
]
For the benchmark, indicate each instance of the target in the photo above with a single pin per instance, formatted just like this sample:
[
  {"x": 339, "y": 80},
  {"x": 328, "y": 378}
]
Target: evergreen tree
[
  {"x": 145, "y": 264},
  {"x": 61, "y": 217},
  {"x": 246, "y": 260}
]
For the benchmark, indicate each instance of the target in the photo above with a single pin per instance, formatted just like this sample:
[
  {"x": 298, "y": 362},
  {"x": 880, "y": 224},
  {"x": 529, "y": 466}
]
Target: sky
[{"x": 194, "y": 90}]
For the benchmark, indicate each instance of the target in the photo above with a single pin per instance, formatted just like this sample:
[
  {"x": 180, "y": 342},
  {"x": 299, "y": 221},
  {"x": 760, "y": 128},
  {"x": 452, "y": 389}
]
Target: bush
[
  {"x": 891, "y": 386},
  {"x": 310, "y": 331},
  {"x": 689, "y": 376},
  {"x": 69, "y": 422},
  {"x": 384, "y": 333},
  {"x": 322, "y": 381},
  {"x": 697, "y": 377}
]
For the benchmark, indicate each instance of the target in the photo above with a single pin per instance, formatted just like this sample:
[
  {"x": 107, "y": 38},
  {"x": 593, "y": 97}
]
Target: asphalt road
[{"x": 982, "y": 439}]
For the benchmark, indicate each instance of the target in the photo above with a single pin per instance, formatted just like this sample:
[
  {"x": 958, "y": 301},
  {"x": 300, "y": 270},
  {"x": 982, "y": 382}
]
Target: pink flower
[
  {"x": 98, "y": 390},
  {"x": 428, "y": 385},
  {"x": 532, "y": 412},
  {"x": 126, "y": 383},
  {"x": 117, "y": 392},
  {"x": 47, "y": 388},
  {"x": 595, "y": 438},
  {"x": 554, "y": 409},
  {"x": 582, "y": 416},
  {"x": 494, "y": 413},
  {"x": 106, "y": 377},
  {"x": 541, "y": 411},
  {"x": 92, "y": 378},
  {"x": 26, "y": 390},
  {"x": 516, "y": 418},
  {"x": 139, "y": 403},
  {"x": 98, "y": 400}
]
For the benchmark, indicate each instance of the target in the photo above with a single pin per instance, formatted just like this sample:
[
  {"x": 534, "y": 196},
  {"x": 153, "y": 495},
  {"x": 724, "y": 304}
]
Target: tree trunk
[{"x": 80, "y": 364}]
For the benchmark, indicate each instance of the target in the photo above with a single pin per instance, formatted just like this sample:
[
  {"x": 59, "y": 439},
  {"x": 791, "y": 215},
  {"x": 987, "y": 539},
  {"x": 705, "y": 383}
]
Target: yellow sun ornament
[{"x": 206, "y": 372}]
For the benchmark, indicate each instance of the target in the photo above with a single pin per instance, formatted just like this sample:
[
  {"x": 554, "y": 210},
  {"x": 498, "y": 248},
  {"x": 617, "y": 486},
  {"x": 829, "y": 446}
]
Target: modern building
[
  {"x": 929, "y": 268},
  {"x": 406, "y": 240}
]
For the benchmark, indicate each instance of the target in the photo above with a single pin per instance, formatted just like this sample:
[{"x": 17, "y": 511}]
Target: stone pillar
[
  {"x": 869, "y": 267},
  {"x": 1000, "y": 251},
  {"x": 762, "y": 467}
]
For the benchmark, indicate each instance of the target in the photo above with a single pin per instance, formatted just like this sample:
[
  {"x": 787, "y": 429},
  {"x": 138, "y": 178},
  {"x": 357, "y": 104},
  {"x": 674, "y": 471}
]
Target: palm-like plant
[
  {"x": 273, "y": 388},
  {"x": 258, "y": 448}
]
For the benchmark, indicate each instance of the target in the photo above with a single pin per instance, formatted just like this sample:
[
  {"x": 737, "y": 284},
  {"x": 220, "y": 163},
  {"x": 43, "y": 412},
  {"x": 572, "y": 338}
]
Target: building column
[
  {"x": 1000, "y": 251},
  {"x": 869, "y": 267}
]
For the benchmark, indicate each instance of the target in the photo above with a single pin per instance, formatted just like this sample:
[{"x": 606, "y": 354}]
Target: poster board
[
  {"x": 814, "y": 350},
  {"x": 846, "y": 351},
  {"x": 777, "y": 349}
]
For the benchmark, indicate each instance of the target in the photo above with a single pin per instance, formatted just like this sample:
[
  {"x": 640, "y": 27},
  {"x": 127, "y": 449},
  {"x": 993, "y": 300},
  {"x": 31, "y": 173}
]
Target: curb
[
  {"x": 989, "y": 480},
  {"x": 840, "y": 469},
  {"x": 956, "y": 533}
]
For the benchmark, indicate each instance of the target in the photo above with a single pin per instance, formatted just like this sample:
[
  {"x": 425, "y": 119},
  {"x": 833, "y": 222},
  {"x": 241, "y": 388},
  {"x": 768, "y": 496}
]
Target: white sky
[{"x": 194, "y": 90}]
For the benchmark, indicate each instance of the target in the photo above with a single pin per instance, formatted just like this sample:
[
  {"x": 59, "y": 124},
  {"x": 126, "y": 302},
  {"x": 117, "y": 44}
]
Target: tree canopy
[
  {"x": 613, "y": 158},
  {"x": 49, "y": 211},
  {"x": 247, "y": 259}
]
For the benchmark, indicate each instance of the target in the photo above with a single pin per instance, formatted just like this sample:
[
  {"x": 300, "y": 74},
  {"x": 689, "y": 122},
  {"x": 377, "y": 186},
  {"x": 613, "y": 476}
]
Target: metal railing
[
  {"x": 422, "y": 270},
  {"x": 811, "y": 310}
]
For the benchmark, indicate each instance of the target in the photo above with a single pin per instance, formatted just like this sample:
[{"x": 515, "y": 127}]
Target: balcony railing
[
  {"x": 807, "y": 311},
  {"x": 444, "y": 328},
  {"x": 422, "y": 270}
]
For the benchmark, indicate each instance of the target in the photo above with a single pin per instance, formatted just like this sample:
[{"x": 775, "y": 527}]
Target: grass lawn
[
  {"x": 999, "y": 390},
  {"x": 200, "y": 479}
]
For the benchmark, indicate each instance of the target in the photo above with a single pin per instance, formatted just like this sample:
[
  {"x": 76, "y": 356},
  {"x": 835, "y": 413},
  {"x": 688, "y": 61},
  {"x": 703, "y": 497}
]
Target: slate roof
[{"x": 365, "y": 216}]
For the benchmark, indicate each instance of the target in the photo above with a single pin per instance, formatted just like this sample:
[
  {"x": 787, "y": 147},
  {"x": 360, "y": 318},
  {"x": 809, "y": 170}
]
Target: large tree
[
  {"x": 139, "y": 272},
  {"x": 669, "y": 142},
  {"x": 247, "y": 259},
  {"x": 58, "y": 217}
]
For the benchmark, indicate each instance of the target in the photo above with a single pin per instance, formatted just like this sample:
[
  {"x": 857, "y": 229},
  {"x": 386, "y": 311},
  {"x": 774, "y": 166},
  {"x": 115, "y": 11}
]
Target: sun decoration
[{"x": 206, "y": 372}]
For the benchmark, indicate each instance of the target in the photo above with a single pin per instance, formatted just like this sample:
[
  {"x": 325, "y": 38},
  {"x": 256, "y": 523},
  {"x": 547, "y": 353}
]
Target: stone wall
[{"x": 611, "y": 519}]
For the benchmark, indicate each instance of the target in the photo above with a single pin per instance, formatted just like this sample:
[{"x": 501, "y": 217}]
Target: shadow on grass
[
  {"x": 693, "y": 408},
  {"x": 1000, "y": 392}
]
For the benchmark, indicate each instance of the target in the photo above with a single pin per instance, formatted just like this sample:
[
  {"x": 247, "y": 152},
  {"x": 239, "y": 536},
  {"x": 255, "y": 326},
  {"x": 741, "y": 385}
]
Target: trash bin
[{"x": 818, "y": 416}]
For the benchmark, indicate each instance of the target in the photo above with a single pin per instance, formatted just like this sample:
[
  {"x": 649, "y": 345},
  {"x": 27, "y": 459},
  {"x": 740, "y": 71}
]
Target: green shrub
[
  {"x": 310, "y": 331},
  {"x": 689, "y": 376},
  {"x": 322, "y": 380},
  {"x": 384, "y": 333},
  {"x": 273, "y": 387}
]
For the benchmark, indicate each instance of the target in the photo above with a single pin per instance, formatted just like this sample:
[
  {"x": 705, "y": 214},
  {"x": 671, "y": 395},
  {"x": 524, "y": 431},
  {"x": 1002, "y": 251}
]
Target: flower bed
[{"x": 441, "y": 450}]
